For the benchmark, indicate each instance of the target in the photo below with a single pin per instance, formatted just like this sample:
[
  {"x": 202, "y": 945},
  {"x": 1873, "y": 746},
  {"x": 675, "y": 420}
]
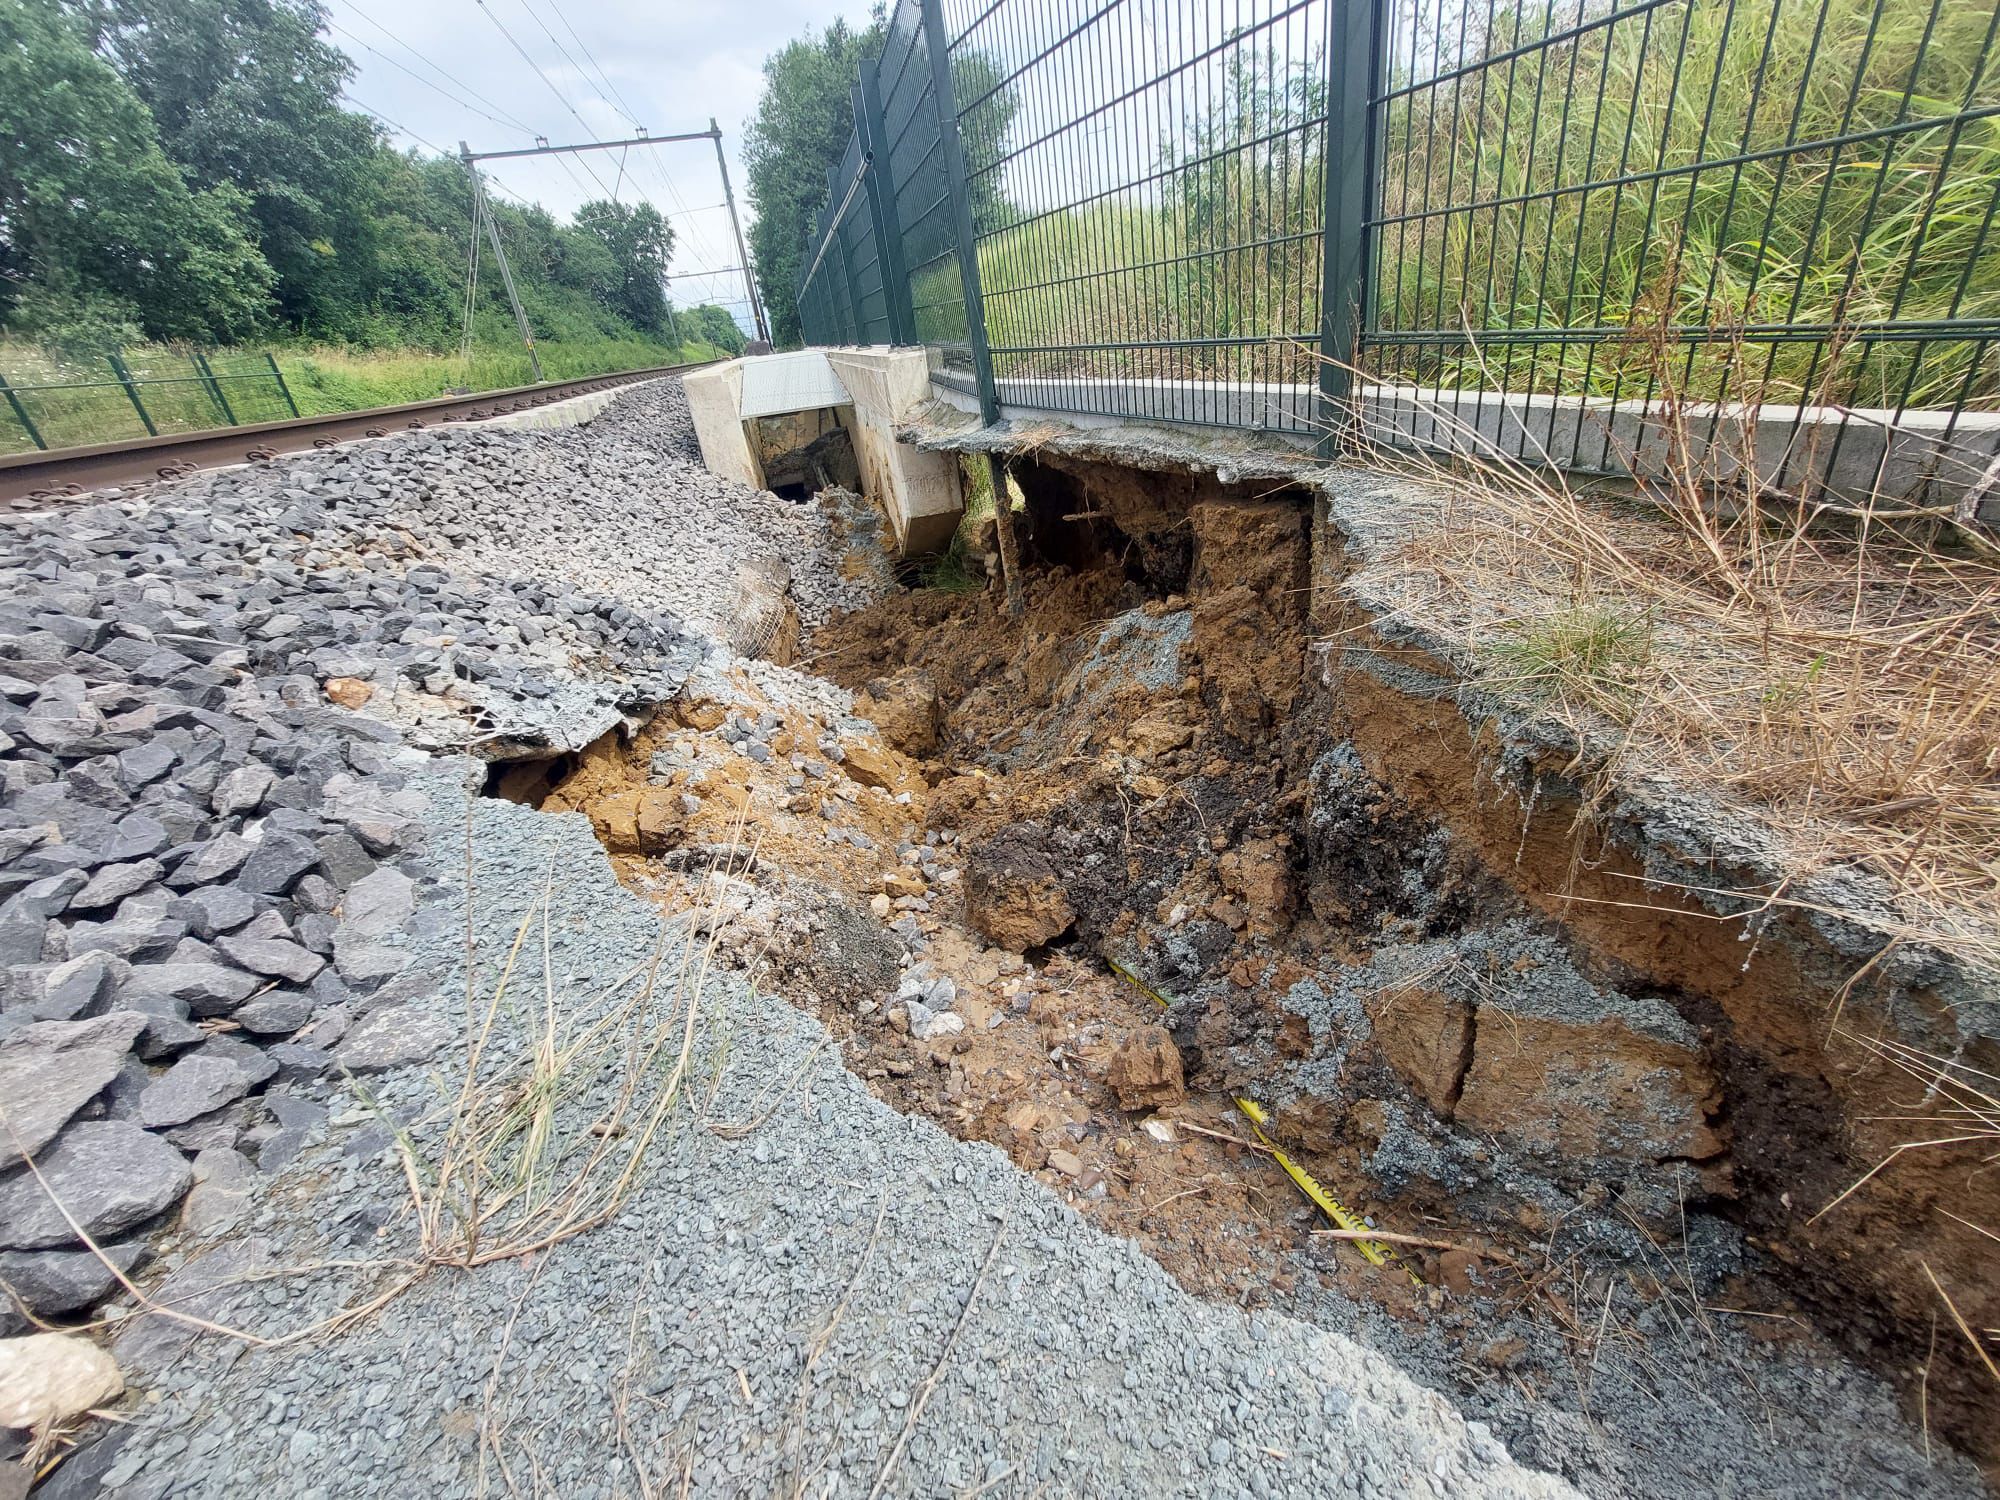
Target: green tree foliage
[
  {"x": 713, "y": 325},
  {"x": 183, "y": 169},
  {"x": 245, "y": 93},
  {"x": 800, "y": 130},
  {"x": 99, "y": 233},
  {"x": 636, "y": 244}
]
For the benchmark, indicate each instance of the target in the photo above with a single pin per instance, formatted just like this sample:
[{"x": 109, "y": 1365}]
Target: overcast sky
[{"x": 666, "y": 66}]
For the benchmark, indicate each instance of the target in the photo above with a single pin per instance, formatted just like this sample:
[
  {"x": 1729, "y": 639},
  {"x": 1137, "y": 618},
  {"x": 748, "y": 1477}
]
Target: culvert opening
[
  {"x": 1158, "y": 767},
  {"x": 527, "y": 781}
]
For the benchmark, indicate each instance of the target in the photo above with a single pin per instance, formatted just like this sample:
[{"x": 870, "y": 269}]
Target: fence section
[
  {"x": 59, "y": 401},
  {"x": 1684, "y": 204},
  {"x": 1570, "y": 231}
]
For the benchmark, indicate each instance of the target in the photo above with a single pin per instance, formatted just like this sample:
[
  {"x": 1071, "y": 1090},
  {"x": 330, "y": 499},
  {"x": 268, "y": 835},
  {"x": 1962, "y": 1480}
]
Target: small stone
[
  {"x": 197, "y": 1084},
  {"x": 113, "y": 883},
  {"x": 53, "y": 1282},
  {"x": 48, "y": 1378},
  {"x": 207, "y": 989},
  {"x": 224, "y": 1180},
  {"x": 275, "y": 864},
  {"x": 379, "y": 904},
  {"x": 348, "y": 692},
  {"x": 213, "y": 909},
  {"x": 243, "y": 790},
  {"x": 271, "y": 956},
  {"x": 215, "y": 860},
  {"x": 934, "y": 1025},
  {"x": 49, "y": 1071},
  {"x": 81, "y": 987},
  {"x": 273, "y": 1015},
  {"x": 1066, "y": 1162},
  {"x": 1145, "y": 1071}
]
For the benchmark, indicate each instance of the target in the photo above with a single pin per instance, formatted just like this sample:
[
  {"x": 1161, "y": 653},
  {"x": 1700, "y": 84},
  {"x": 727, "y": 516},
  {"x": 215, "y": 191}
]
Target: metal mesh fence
[
  {"x": 1567, "y": 232},
  {"x": 53, "y": 400},
  {"x": 1780, "y": 202}
]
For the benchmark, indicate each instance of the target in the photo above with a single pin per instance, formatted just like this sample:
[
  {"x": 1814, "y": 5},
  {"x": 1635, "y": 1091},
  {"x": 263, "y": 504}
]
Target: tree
[
  {"x": 801, "y": 128},
  {"x": 97, "y": 227},
  {"x": 638, "y": 244},
  {"x": 245, "y": 93},
  {"x": 713, "y": 325}
]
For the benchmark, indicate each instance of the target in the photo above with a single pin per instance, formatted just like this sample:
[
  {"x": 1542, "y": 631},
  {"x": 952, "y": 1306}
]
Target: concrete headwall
[
  {"x": 919, "y": 491},
  {"x": 715, "y": 401}
]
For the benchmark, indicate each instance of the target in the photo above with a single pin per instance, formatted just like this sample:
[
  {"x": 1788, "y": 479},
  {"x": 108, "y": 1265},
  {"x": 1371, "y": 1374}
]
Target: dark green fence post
[
  {"x": 132, "y": 390},
  {"x": 946, "y": 105},
  {"x": 838, "y": 231},
  {"x": 21, "y": 413},
  {"x": 882, "y": 205},
  {"x": 285, "y": 390},
  {"x": 214, "y": 387},
  {"x": 1354, "y": 44}
]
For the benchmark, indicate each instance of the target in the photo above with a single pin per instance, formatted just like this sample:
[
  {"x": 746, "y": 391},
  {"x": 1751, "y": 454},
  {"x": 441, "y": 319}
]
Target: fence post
[
  {"x": 132, "y": 390},
  {"x": 279, "y": 376},
  {"x": 21, "y": 412},
  {"x": 1354, "y": 42},
  {"x": 946, "y": 105},
  {"x": 882, "y": 204},
  {"x": 833, "y": 197},
  {"x": 214, "y": 387}
]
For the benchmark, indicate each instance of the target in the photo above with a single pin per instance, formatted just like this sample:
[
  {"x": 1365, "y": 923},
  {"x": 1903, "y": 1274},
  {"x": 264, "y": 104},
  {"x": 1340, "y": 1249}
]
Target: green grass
[
  {"x": 92, "y": 407},
  {"x": 1586, "y": 655}
]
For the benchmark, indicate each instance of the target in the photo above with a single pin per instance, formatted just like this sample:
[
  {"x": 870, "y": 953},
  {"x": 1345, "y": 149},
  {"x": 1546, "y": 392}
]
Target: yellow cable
[{"x": 1373, "y": 1251}]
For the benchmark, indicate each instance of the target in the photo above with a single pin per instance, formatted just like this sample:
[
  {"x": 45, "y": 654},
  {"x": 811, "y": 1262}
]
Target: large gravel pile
[
  {"x": 233, "y": 934},
  {"x": 200, "y": 854}
]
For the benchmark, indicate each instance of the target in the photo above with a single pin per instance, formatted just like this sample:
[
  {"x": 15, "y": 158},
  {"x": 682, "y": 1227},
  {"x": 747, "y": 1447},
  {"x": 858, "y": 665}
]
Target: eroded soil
[{"x": 1131, "y": 776}]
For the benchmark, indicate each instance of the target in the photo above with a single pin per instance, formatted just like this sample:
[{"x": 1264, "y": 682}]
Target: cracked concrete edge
[{"x": 1681, "y": 836}]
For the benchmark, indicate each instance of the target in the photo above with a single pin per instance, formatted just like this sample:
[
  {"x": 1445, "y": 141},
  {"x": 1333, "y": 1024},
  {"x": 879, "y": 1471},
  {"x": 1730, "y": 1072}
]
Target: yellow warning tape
[{"x": 1373, "y": 1251}]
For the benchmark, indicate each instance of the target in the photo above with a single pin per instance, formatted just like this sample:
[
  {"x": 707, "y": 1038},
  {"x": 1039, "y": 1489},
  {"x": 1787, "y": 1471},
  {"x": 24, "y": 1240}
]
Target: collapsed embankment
[
  {"x": 1553, "y": 1029},
  {"x": 1481, "y": 987}
]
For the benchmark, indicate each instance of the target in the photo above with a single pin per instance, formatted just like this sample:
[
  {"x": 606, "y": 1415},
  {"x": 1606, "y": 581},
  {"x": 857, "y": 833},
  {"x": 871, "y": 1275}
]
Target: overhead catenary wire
[
  {"x": 427, "y": 83},
  {"x": 540, "y": 73},
  {"x": 442, "y": 71},
  {"x": 618, "y": 104},
  {"x": 691, "y": 233}
]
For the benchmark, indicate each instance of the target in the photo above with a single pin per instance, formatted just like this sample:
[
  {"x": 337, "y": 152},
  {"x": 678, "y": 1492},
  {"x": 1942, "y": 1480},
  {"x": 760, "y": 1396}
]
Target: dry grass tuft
[
  {"x": 1825, "y": 666},
  {"x": 526, "y": 1154}
]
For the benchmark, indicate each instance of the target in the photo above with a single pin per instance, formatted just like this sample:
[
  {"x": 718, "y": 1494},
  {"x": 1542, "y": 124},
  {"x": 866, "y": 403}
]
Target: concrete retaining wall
[
  {"x": 919, "y": 491},
  {"x": 574, "y": 412},
  {"x": 715, "y": 401},
  {"x": 1855, "y": 452}
]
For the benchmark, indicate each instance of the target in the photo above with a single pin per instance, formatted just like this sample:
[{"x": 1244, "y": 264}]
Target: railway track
[{"x": 31, "y": 481}]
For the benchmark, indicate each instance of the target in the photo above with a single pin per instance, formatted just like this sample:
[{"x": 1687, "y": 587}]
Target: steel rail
[{"x": 31, "y": 481}]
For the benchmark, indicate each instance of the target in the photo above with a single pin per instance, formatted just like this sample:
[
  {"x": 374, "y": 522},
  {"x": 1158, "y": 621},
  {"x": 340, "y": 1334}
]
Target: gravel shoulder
[{"x": 671, "y": 1343}]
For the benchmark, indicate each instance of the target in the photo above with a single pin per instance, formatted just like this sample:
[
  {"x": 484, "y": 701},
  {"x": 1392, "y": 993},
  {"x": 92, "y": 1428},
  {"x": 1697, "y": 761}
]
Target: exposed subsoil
[{"x": 1128, "y": 775}]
